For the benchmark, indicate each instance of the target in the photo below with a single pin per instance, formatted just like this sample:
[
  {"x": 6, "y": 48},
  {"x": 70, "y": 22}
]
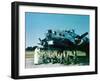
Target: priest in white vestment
[{"x": 36, "y": 55}]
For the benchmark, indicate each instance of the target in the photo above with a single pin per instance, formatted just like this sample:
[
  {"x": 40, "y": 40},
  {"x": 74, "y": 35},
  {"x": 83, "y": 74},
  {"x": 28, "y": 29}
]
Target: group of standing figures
[{"x": 55, "y": 56}]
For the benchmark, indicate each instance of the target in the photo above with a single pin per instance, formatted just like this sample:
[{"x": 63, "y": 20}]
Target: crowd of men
[{"x": 54, "y": 56}]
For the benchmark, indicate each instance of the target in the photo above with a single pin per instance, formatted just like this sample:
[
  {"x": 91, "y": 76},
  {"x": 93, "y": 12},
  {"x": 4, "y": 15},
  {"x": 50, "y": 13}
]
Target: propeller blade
[
  {"x": 83, "y": 35},
  {"x": 40, "y": 39}
]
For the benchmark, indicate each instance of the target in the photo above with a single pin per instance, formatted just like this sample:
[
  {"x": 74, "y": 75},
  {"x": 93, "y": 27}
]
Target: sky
[{"x": 37, "y": 24}]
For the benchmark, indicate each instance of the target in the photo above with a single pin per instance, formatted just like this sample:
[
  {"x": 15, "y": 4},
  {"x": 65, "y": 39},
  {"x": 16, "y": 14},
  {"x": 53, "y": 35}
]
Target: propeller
[
  {"x": 41, "y": 42},
  {"x": 79, "y": 40},
  {"x": 83, "y": 35}
]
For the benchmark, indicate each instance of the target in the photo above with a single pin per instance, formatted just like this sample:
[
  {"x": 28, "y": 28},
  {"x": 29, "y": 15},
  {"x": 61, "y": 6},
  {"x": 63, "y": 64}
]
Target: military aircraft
[{"x": 65, "y": 39}]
